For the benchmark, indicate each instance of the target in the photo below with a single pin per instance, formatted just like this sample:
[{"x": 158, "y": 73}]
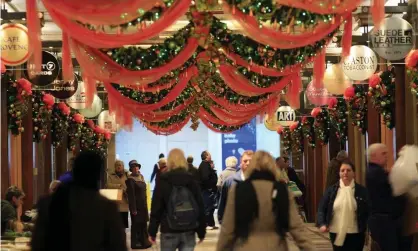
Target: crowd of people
[{"x": 256, "y": 205}]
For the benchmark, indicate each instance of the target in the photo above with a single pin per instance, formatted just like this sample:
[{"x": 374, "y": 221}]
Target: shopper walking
[
  {"x": 260, "y": 211},
  {"x": 137, "y": 198},
  {"x": 343, "y": 211},
  {"x": 178, "y": 208}
]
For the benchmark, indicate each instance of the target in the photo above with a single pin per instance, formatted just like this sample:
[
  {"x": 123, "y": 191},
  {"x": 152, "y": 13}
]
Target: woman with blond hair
[
  {"x": 177, "y": 209},
  {"x": 260, "y": 211}
]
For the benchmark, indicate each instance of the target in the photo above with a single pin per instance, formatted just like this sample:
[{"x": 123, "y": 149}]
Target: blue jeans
[{"x": 182, "y": 241}]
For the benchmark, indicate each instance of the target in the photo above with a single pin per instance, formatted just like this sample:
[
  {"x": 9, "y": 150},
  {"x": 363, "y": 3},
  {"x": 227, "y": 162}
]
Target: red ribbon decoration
[{"x": 102, "y": 40}]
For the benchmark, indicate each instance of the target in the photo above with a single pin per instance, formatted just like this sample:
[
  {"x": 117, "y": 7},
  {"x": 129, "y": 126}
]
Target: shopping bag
[{"x": 404, "y": 174}]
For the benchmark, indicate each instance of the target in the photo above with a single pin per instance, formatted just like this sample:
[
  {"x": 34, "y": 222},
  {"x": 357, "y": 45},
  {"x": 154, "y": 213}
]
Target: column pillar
[
  {"x": 27, "y": 159},
  {"x": 4, "y": 137}
]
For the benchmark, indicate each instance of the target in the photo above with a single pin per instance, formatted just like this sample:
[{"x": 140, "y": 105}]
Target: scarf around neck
[{"x": 348, "y": 207}]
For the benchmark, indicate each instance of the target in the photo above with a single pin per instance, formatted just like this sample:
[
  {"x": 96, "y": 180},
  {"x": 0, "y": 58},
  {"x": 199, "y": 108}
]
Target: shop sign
[
  {"x": 78, "y": 100},
  {"x": 360, "y": 64},
  {"x": 49, "y": 70},
  {"x": 14, "y": 44},
  {"x": 63, "y": 89},
  {"x": 94, "y": 110},
  {"x": 285, "y": 115},
  {"x": 393, "y": 40},
  {"x": 108, "y": 121},
  {"x": 317, "y": 96}
]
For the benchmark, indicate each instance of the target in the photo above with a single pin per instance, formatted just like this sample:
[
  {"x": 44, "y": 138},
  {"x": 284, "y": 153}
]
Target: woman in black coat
[
  {"x": 137, "y": 198},
  {"x": 343, "y": 211}
]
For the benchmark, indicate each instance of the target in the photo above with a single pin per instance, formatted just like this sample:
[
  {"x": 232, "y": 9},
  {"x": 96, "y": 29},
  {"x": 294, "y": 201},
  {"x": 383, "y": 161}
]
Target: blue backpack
[{"x": 183, "y": 211}]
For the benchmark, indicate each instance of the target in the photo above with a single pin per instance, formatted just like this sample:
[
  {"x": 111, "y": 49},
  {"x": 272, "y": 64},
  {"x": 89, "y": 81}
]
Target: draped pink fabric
[
  {"x": 159, "y": 116},
  {"x": 278, "y": 39},
  {"x": 102, "y": 40},
  {"x": 347, "y": 37},
  {"x": 293, "y": 92},
  {"x": 323, "y": 6},
  {"x": 319, "y": 69},
  {"x": 175, "y": 127},
  {"x": 226, "y": 115},
  {"x": 262, "y": 69},
  {"x": 103, "y": 68},
  {"x": 90, "y": 89},
  {"x": 206, "y": 115},
  {"x": 240, "y": 84},
  {"x": 34, "y": 32},
  {"x": 378, "y": 12},
  {"x": 97, "y": 12},
  {"x": 67, "y": 64},
  {"x": 119, "y": 100}
]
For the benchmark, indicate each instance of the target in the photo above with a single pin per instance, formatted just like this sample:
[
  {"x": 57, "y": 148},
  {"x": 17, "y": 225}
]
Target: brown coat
[
  {"x": 263, "y": 235},
  {"x": 116, "y": 182}
]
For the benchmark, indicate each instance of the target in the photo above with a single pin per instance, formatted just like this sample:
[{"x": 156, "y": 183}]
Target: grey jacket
[{"x": 225, "y": 174}]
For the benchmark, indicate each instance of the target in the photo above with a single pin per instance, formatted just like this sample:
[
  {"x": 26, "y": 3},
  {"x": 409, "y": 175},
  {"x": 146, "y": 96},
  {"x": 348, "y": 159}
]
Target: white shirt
[{"x": 337, "y": 220}]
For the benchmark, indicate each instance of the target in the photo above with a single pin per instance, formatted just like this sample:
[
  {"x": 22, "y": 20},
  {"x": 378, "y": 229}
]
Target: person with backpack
[
  {"x": 260, "y": 211},
  {"x": 177, "y": 209}
]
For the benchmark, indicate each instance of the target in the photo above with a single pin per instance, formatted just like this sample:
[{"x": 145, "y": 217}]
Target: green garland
[
  {"x": 224, "y": 128},
  {"x": 137, "y": 58},
  {"x": 308, "y": 130},
  {"x": 321, "y": 126},
  {"x": 217, "y": 86},
  {"x": 286, "y": 17},
  {"x": 297, "y": 140},
  {"x": 338, "y": 117},
  {"x": 59, "y": 126},
  {"x": 357, "y": 108},
  {"x": 41, "y": 115},
  {"x": 17, "y": 104},
  {"x": 184, "y": 95},
  {"x": 175, "y": 119},
  {"x": 414, "y": 86},
  {"x": 286, "y": 138},
  {"x": 74, "y": 133},
  {"x": 383, "y": 97},
  {"x": 258, "y": 79},
  {"x": 261, "y": 54}
]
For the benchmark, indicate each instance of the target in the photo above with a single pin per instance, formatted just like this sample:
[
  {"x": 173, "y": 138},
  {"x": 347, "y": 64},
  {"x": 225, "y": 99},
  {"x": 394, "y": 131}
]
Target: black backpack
[{"x": 183, "y": 211}]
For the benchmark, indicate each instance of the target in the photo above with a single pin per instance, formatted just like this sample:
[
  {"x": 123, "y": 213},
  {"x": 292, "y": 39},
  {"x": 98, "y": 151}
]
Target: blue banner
[{"x": 235, "y": 143}]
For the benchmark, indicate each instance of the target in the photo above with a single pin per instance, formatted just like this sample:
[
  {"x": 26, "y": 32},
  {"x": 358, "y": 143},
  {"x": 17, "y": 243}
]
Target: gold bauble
[
  {"x": 271, "y": 122},
  {"x": 335, "y": 81}
]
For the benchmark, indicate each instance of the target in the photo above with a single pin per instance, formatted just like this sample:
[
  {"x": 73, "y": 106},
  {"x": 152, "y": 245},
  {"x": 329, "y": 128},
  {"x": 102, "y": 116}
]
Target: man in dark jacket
[
  {"x": 9, "y": 206},
  {"x": 208, "y": 180},
  {"x": 333, "y": 172},
  {"x": 159, "y": 208},
  {"x": 385, "y": 222},
  {"x": 156, "y": 167},
  {"x": 192, "y": 169},
  {"x": 76, "y": 216}
]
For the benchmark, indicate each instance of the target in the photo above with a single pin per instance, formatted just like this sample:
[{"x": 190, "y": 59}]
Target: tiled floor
[{"x": 320, "y": 241}]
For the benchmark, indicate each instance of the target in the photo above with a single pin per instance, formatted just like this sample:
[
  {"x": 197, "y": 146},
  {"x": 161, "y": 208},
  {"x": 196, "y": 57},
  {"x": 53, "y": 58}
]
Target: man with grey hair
[
  {"x": 231, "y": 168},
  {"x": 333, "y": 172},
  {"x": 386, "y": 210}
]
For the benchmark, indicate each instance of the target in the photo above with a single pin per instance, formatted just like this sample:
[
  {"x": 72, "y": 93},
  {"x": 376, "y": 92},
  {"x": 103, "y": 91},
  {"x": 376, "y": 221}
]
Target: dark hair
[
  {"x": 161, "y": 156},
  {"x": 13, "y": 191},
  {"x": 348, "y": 163},
  {"x": 190, "y": 159},
  {"x": 87, "y": 170},
  {"x": 204, "y": 155}
]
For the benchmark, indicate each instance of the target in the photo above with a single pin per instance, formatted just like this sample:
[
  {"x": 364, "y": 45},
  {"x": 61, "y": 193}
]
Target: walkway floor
[{"x": 320, "y": 241}]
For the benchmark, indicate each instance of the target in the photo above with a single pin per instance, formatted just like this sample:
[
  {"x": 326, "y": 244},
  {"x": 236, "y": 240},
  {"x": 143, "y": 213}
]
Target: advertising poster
[{"x": 235, "y": 143}]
